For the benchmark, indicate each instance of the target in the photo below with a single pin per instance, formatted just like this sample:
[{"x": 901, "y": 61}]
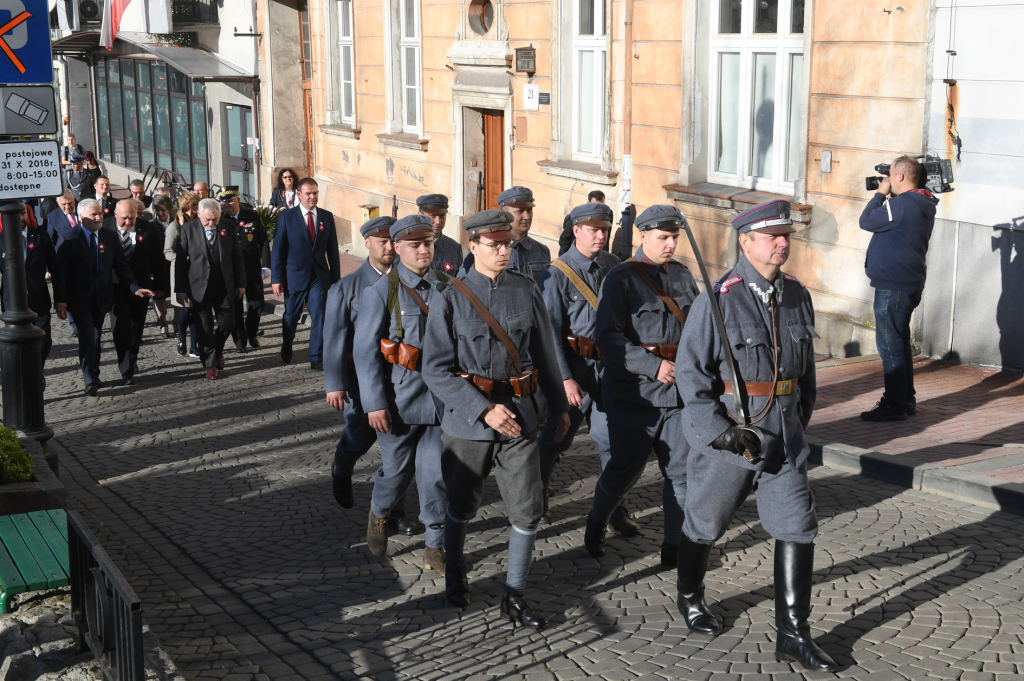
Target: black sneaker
[{"x": 885, "y": 412}]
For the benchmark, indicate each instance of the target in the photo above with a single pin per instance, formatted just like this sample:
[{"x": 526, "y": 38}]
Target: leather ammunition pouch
[
  {"x": 402, "y": 354},
  {"x": 584, "y": 347},
  {"x": 663, "y": 350}
]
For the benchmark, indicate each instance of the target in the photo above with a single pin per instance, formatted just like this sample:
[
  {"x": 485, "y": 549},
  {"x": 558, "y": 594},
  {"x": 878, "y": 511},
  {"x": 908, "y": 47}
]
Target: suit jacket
[
  {"x": 40, "y": 256},
  {"x": 87, "y": 282},
  {"x": 108, "y": 203},
  {"x": 192, "y": 266},
  {"x": 252, "y": 237},
  {"x": 57, "y": 225},
  {"x": 147, "y": 256},
  {"x": 294, "y": 261}
]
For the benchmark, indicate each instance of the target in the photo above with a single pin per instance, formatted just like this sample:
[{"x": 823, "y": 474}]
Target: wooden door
[
  {"x": 494, "y": 157},
  {"x": 307, "y": 107}
]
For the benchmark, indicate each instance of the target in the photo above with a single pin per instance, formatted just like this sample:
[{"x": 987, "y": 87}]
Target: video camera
[{"x": 936, "y": 175}]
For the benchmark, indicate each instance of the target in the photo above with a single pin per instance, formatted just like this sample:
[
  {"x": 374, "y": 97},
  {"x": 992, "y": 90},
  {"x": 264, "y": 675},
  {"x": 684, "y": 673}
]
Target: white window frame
[
  {"x": 416, "y": 73},
  {"x": 748, "y": 44},
  {"x": 346, "y": 45},
  {"x": 596, "y": 89}
]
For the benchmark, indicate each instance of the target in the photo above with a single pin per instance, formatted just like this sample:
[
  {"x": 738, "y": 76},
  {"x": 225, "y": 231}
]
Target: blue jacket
[
  {"x": 88, "y": 284},
  {"x": 57, "y": 225},
  {"x": 340, "y": 320},
  {"x": 900, "y": 228},
  {"x": 294, "y": 261}
]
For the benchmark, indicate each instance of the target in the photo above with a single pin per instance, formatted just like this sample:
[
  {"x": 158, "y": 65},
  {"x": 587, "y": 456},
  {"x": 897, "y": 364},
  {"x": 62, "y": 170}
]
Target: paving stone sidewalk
[{"x": 214, "y": 499}]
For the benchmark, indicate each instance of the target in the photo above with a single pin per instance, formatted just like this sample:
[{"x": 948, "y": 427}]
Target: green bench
[{"x": 33, "y": 553}]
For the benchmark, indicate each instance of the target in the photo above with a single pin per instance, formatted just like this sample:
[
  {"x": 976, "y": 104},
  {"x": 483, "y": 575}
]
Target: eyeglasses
[{"x": 497, "y": 246}]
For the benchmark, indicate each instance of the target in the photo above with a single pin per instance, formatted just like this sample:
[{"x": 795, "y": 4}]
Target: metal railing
[
  {"x": 194, "y": 11},
  {"x": 104, "y": 606}
]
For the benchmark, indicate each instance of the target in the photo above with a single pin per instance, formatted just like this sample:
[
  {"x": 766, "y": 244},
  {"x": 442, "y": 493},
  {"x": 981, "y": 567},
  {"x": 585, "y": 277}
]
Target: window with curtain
[
  {"x": 757, "y": 93},
  {"x": 590, "y": 50},
  {"x": 412, "y": 87},
  {"x": 346, "y": 55},
  {"x": 150, "y": 114}
]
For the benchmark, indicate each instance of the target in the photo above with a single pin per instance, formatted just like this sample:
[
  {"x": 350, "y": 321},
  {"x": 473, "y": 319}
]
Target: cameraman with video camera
[{"x": 900, "y": 224}]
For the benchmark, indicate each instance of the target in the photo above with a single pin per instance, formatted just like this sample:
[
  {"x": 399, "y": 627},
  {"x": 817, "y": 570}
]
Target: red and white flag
[{"x": 141, "y": 16}]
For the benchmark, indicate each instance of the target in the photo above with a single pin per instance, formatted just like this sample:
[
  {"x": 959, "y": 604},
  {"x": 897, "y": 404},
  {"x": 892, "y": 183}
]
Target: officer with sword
[{"x": 749, "y": 395}]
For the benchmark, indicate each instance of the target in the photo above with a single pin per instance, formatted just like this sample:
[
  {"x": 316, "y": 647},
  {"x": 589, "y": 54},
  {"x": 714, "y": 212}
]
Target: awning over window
[{"x": 197, "y": 63}]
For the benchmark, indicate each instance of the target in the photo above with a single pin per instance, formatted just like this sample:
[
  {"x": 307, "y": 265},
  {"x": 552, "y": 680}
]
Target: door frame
[
  {"x": 225, "y": 156},
  {"x": 476, "y": 100}
]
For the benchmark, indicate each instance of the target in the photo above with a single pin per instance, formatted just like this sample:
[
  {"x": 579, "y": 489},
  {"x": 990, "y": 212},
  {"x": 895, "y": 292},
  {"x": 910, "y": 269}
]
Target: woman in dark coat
[{"x": 286, "y": 192}]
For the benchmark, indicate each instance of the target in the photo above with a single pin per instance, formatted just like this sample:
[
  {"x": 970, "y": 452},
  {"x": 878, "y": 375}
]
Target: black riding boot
[
  {"x": 692, "y": 565},
  {"x": 456, "y": 584},
  {"x": 794, "y": 566}
]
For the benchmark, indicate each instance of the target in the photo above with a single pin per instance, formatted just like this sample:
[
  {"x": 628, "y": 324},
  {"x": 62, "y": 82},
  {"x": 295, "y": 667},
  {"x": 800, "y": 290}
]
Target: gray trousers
[
  {"x": 516, "y": 463},
  {"x": 718, "y": 486},
  {"x": 551, "y": 451},
  {"x": 411, "y": 452},
  {"x": 634, "y": 432}
]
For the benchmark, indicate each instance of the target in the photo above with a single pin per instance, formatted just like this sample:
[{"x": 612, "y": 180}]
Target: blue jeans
[{"x": 892, "y": 337}]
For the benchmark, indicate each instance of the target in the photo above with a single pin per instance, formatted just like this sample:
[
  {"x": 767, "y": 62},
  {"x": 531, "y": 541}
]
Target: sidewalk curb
[{"x": 903, "y": 471}]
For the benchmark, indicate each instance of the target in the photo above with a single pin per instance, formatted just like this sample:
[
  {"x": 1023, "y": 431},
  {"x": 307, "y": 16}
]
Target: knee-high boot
[
  {"x": 456, "y": 584},
  {"x": 794, "y": 566},
  {"x": 692, "y": 565}
]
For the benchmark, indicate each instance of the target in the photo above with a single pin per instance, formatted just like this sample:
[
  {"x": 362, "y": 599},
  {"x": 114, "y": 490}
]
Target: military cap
[
  {"x": 377, "y": 227},
  {"x": 591, "y": 212},
  {"x": 411, "y": 227},
  {"x": 493, "y": 224},
  {"x": 77, "y": 158},
  {"x": 659, "y": 216},
  {"x": 227, "y": 193},
  {"x": 516, "y": 196},
  {"x": 432, "y": 202},
  {"x": 770, "y": 218}
]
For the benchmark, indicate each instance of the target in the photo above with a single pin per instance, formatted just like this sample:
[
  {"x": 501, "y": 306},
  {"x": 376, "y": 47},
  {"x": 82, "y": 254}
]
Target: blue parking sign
[{"x": 25, "y": 57}]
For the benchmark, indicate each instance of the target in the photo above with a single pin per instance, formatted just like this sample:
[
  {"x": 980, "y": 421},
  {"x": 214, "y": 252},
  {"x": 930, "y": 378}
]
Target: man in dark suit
[
  {"x": 107, "y": 201},
  {"x": 143, "y": 247},
  {"x": 305, "y": 265},
  {"x": 90, "y": 257},
  {"x": 40, "y": 257},
  {"x": 211, "y": 272},
  {"x": 252, "y": 237},
  {"x": 63, "y": 219}
]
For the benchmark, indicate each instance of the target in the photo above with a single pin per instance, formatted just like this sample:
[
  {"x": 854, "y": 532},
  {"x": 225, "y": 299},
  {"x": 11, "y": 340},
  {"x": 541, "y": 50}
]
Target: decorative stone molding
[
  {"x": 404, "y": 141},
  {"x": 480, "y": 53},
  {"x": 338, "y": 130},
  {"x": 574, "y": 170},
  {"x": 735, "y": 199}
]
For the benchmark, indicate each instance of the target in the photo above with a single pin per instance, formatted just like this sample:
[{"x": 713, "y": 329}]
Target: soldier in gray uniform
[
  {"x": 570, "y": 288},
  {"x": 447, "y": 251},
  {"x": 386, "y": 349},
  {"x": 640, "y": 315},
  {"x": 770, "y": 322},
  {"x": 528, "y": 256},
  {"x": 487, "y": 349},
  {"x": 340, "y": 378}
]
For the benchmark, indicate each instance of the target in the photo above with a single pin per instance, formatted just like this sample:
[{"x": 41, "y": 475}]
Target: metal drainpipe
[{"x": 257, "y": 152}]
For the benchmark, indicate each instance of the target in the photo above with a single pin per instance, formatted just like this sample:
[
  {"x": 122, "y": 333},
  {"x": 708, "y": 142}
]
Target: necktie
[
  {"x": 309, "y": 227},
  {"x": 209, "y": 236},
  {"x": 94, "y": 247},
  {"x": 126, "y": 244}
]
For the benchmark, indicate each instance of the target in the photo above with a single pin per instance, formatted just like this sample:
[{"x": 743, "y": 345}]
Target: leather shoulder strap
[
  {"x": 576, "y": 280},
  {"x": 484, "y": 313},
  {"x": 669, "y": 303},
  {"x": 416, "y": 298}
]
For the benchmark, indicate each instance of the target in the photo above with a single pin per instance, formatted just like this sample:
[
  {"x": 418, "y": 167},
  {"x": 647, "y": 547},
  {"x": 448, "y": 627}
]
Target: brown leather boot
[
  {"x": 377, "y": 535},
  {"x": 623, "y": 523},
  {"x": 434, "y": 559}
]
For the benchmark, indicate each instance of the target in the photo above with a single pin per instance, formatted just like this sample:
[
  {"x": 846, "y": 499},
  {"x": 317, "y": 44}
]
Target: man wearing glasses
[{"x": 485, "y": 362}]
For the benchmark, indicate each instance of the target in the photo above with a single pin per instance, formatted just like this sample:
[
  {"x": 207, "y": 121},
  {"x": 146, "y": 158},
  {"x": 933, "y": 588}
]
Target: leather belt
[
  {"x": 663, "y": 350},
  {"x": 764, "y": 389},
  {"x": 583, "y": 346},
  {"x": 523, "y": 385}
]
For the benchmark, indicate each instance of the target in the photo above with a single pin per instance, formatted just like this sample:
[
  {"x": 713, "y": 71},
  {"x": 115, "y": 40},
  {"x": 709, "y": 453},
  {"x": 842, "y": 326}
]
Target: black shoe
[
  {"x": 912, "y": 409},
  {"x": 135, "y": 367},
  {"x": 456, "y": 587},
  {"x": 692, "y": 565},
  {"x": 259, "y": 333},
  {"x": 342, "y": 478},
  {"x": 128, "y": 380},
  {"x": 316, "y": 366},
  {"x": 286, "y": 353},
  {"x": 239, "y": 347},
  {"x": 92, "y": 390},
  {"x": 398, "y": 523},
  {"x": 593, "y": 538},
  {"x": 669, "y": 553},
  {"x": 74, "y": 333},
  {"x": 253, "y": 342},
  {"x": 181, "y": 348},
  {"x": 794, "y": 567},
  {"x": 623, "y": 523},
  {"x": 885, "y": 412},
  {"x": 377, "y": 535},
  {"x": 515, "y": 609}
]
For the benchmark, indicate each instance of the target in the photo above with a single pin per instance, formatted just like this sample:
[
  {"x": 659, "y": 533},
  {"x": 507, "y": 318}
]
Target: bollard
[{"x": 21, "y": 362}]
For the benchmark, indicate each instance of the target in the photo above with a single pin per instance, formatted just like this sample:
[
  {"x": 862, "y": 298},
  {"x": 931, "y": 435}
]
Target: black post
[{"x": 21, "y": 362}]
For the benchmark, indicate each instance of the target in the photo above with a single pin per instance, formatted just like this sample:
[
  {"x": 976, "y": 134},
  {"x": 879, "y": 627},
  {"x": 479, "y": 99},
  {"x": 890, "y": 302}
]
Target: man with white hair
[{"x": 210, "y": 271}]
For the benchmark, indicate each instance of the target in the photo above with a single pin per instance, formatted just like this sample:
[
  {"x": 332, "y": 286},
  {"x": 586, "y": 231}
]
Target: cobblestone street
[{"x": 214, "y": 498}]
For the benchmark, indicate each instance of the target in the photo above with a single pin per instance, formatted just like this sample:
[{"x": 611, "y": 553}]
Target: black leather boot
[
  {"x": 399, "y": 523},
  {"x": 593, "y": 538},
  {"x": 794, "y": 566},
  {"x": 692, "y": 565},
  {"x": 341, "y": 477},
  {"x": 456, "y": 586},
  {"x": 515, "y": 609}
]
